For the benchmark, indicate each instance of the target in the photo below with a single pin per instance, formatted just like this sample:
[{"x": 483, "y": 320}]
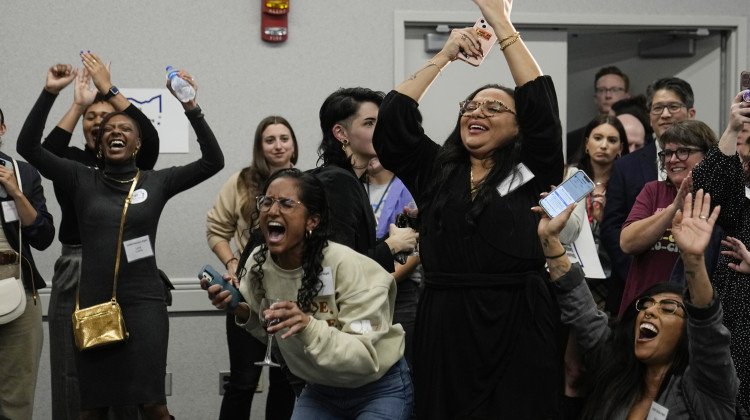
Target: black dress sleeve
[
  {"x": 722, "y": 177},
  {"x": 541, "y": 133}
]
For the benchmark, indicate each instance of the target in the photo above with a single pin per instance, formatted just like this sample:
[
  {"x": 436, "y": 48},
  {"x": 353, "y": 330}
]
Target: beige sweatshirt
[{"x": 350, "y": 341}]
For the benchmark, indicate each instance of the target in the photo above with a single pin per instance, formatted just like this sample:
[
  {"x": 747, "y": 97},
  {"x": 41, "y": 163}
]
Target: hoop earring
[
  {"x": 344, "y": 143},
  {"x": 308, "y": 234}
]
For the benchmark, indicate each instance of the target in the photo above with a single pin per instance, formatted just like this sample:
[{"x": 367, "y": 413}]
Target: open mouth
[
  {"x": 477, "y": 127},
  {"x": 116, "y": 144},
  {"x": 647, "y": 331},
  {"x": 94, "y": 133},
  {"x": 275, "y": 231}
]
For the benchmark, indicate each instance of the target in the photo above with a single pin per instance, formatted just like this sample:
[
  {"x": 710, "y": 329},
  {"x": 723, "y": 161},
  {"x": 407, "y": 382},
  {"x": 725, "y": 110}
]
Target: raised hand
[
  {"x": 692, "y": 226},
  {"x": 58, "y": 77},
  {"x": 737, "y": 250},
  {"x": 84, "y": 94},
  {"x": 552, "y": 227},
  {"x": 185, "y": 76},
  {"x": 98, "y": 70}
]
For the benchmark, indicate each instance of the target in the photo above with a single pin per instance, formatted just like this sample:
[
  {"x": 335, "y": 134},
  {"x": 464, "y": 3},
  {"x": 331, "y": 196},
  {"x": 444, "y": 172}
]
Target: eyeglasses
[
  {"x": 682, "y": 153},
  {"x": 490, "y": 108},
  {"x": 603, "y": 90},
  {"x": 286, "y": 205},
  {"x": 673, "y": 107},
  {"x": 666, "y": 306}
]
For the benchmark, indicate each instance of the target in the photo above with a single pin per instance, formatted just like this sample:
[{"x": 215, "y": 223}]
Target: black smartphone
[{"x": 570, "y": 191}]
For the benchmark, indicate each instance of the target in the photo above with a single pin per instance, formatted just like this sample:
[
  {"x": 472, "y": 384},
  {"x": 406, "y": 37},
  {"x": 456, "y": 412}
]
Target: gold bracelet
[
  {"x": 508, "y": 37},
  {"x": 512, "y": 41},
  {"x": 440, "y": 72}
]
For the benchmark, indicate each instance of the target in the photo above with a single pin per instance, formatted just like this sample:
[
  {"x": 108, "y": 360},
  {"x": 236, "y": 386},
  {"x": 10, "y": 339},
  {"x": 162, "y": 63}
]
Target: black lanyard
[{"x": 375, "y": 211}]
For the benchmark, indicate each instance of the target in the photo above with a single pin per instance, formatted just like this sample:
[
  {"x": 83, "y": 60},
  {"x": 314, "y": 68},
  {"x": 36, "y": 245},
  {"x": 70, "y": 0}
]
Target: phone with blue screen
[{"x": 570, "y": 191}]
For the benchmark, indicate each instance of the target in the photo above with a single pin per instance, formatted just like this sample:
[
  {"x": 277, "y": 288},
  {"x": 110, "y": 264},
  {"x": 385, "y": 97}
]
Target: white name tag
[
  {"x": 511, "y": 183},
  {"x": 10, "y": 213},
  {"x": 138, "y": 248},
  {"x": 657, "y": 412},
  {"x": 326, "y": 277},
  {"x": 139, "y": 196}
]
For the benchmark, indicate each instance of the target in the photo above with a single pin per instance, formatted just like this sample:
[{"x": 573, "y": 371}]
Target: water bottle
[{"x": 182, "y": 89}]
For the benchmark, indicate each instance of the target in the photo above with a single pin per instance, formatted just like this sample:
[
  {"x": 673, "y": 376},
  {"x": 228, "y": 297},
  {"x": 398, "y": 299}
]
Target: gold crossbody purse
[{"x": 103, "y": 324}]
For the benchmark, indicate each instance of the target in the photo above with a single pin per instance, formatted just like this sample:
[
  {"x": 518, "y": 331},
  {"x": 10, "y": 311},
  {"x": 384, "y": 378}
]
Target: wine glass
[{"x": 266, "y": 303}]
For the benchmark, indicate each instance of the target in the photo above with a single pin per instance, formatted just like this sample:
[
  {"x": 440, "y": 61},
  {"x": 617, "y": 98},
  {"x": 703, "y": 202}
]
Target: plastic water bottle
[{"x": 182, "y": 89}]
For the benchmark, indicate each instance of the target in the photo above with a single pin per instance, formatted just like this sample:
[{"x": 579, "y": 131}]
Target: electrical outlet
[
  {"x": 223, "y": 379},
  {"x": 168, "y": 384}
]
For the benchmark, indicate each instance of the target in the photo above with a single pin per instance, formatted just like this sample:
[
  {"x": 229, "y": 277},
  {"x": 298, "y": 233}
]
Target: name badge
[
  {"x": 657, "y": 412},
  {"x": 520, "y": 176},
  {"x": 139, "y": 196},
  {"x": 10, "y": 213},
  {"x": 138, "y": 248},
  {"x": 326, "y": 277}
]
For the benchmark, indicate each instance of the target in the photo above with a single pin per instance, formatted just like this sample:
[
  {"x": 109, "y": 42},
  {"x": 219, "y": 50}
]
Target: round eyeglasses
[
  {"x": 672, "y": 107},
  {"x": 682, "y": 153},
  {"x": 489, "y": 108},
  {"x": 666, "y": 306},
  {"x": 286, "y": 205}
]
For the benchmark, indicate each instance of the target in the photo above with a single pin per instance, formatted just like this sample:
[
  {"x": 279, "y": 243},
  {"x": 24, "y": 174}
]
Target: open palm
[{"x": 693, "y": 225}]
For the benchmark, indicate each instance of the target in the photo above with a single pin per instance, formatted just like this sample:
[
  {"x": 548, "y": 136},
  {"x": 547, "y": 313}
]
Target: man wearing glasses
[
  {"x": 669, "y": 100},
  {"x": 610, "y": 85}
]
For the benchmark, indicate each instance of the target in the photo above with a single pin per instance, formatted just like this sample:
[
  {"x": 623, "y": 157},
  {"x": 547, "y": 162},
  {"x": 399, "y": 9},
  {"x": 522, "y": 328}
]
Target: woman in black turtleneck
[{"x": 130, "y": 373}]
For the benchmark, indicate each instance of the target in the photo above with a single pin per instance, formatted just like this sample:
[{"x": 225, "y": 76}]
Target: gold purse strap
[{"x": 119, "y": 241}]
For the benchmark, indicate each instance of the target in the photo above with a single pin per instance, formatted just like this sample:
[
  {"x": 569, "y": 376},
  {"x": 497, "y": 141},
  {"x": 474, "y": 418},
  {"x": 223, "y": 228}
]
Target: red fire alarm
[{"x": 273, "y": 27}]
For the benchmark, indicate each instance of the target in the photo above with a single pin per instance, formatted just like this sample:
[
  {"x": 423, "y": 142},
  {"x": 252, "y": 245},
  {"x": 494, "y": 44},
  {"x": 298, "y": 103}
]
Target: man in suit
[{"x": 633, "y": 171}]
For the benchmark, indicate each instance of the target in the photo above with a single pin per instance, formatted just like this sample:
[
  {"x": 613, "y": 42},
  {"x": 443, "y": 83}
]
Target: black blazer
[{"x": 38, "y": 234}]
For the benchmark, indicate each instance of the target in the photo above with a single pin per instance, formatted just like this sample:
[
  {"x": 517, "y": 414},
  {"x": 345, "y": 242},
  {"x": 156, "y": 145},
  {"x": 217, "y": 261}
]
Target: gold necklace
[{"x": 121, "y": 181}]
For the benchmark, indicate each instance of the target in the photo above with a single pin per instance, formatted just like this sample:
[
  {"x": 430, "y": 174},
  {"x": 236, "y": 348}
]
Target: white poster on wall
[{"x": 166, "y": 114}]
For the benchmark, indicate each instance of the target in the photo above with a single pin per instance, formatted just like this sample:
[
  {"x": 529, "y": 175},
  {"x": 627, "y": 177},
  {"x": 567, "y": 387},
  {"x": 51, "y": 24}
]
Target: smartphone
[
  {"x": 570, "y": 191},
  {"x": 745, "y": 85},
  {"x": 487, "y": 39},
  {"x": 9, "y": 165},
  {"x": 213, "y": 277}
]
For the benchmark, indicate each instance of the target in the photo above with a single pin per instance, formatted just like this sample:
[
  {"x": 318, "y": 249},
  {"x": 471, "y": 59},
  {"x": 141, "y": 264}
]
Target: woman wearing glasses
[
  {"x": 486, "y": 316},
  {"x": 234, "y": 216},
  {"x": 334, "y": 330},
  {"x": 668, "y": 355},
  {"x": 646, "y": 233}
]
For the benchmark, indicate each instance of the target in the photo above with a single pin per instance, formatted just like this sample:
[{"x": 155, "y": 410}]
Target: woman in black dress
[
  {"x": 486, "y": 317},
  {"x": 130, "y": 373}
]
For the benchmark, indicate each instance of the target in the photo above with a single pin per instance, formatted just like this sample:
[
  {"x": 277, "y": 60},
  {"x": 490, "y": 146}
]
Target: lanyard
[{"x": 377, "y": 207}]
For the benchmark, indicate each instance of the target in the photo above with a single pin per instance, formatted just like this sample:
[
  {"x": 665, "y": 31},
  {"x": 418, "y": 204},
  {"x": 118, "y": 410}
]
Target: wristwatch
[{"x": 113, "y": 91}]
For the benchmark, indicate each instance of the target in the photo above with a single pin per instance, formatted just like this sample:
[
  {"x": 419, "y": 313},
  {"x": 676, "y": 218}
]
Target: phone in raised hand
[{"x": 487, "y": 39}]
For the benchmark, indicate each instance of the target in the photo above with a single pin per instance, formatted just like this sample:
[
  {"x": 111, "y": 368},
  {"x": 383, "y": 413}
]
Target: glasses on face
[
  {"x": 603, "y": 90},
  {"x": 682, "y": 154},
  {"x": 673, "y": 107},
  {"x": 286, "y": 205},
  {"x": 489, "y": 108},
  {"x": 666, "y": 306}
]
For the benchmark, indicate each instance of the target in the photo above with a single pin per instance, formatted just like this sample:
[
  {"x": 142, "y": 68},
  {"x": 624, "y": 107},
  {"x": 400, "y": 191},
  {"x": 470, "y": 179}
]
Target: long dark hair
[
  {"x": 585, "y": 162},
  {"x": 251, "y": 178},
  {"x": 313, "y": 196},
  {"x": 620, "y": 379},
  {"x": 338, "y": 108},
  {"x": 453, "y": 161}
]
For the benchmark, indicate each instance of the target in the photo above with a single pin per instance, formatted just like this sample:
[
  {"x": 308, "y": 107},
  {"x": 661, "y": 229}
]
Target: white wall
[{"x": 332, "y": 43}]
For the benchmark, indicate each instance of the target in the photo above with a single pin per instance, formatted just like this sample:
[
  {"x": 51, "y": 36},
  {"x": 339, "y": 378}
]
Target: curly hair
[
  {"x": 252, "y": 177},
  {"x": 313, "y": 197}
]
